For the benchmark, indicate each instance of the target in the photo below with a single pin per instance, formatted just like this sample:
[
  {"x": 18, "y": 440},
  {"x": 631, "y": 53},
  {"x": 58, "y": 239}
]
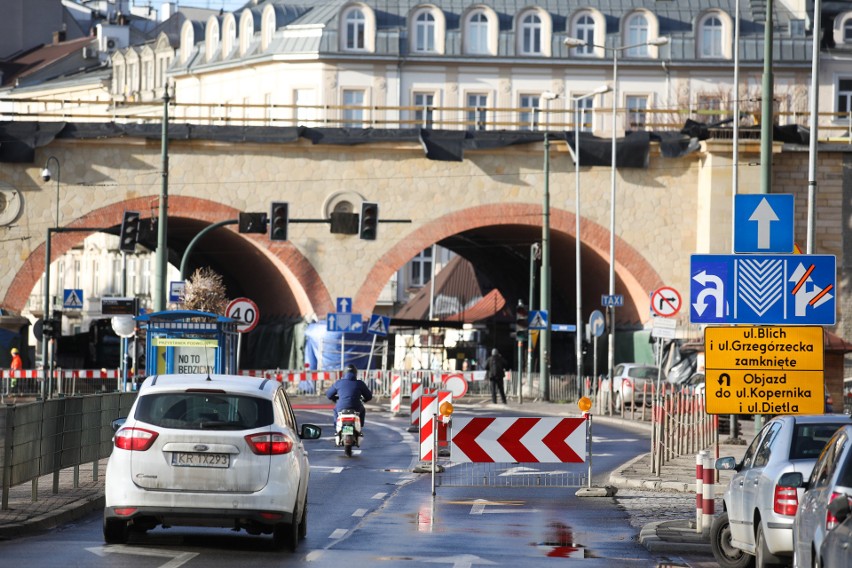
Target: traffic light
[
  {"x": 368, "y": 227},
  {"x": 129, "y": 231},
  {"x": 521, "y": 321},
  {"x": 253, "y": 222},
  {"x": 278, "y": 221}
]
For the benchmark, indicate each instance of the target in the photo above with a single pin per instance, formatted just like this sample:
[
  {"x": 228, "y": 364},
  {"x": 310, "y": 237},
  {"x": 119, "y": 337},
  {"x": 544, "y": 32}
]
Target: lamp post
[
  {"x": 45, "y": 355},
  {"x": 544, "y": 304},
  {"x": 579, "y": 279},
  {"x": 576, "y": 42}
]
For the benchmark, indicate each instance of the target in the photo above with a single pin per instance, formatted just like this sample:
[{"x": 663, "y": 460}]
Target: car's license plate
[
  {"x": 193, "y": 459},
  {"x": 348, "y": 430}
]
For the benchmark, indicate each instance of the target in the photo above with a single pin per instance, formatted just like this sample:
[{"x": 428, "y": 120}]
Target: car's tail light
[
  {"x": 124, "y": 511},
  {"x": 269, "y": 444},
  {"x": 135, "y": 439},
  {"x": 830, "y": 520},
  {"x": 786, "y": 500},
  {"x": 626, "y": 383}
]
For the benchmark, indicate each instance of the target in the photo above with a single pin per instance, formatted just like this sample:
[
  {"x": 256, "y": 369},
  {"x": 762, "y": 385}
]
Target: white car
[
  {"x": 212, "y": 451},
  {"x": 756, "y": 524}
]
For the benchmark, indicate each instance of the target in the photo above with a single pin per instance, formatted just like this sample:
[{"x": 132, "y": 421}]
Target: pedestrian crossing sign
[
  {"x": 538, "y": 319},
  {"x": 378, "y": 325},
  {"x": 72, "y": 299}
]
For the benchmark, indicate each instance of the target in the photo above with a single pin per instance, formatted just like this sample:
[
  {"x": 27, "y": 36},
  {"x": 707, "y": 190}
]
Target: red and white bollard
[
  {"x": 707, "y": 491},
  {"x": 699, "y": 491},
  {"x": 428, "y": 410},
  {"x": 416, "y": 393},
  {"x": 396, "y": 394}
]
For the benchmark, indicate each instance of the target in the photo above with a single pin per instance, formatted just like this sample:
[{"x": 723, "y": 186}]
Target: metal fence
[{"x": 45, "y": 437}]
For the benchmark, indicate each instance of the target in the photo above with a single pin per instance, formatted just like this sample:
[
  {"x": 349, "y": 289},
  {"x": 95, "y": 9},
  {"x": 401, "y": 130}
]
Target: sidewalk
[{"x": 25, "y": 515}]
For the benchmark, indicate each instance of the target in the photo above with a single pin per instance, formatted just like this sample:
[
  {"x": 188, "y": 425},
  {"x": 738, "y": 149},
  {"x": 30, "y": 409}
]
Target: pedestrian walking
[{"x": 495, "y": 371}]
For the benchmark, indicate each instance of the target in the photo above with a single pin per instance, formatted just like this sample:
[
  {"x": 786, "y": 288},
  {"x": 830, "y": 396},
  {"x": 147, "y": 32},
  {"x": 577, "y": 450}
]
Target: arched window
[
  {"x": 355, "y": 29},
  {"x": 229, "y": 35},
  {"x": 267, "y": 27},
  {"x": 187, "y": 41},
  {"x": 246, "y": 31},
  {"x": 211, "y": 39},
  {"x": 585, "y": 31},
  {"x": 847, "y": 31},
  {"x": 477, "y": 33},
  {"x": 637, "y": 35},
  {"x": 531, "y": 34},
  {"x": 424, "y": 32},
  {"x": 711, "y": 37}
]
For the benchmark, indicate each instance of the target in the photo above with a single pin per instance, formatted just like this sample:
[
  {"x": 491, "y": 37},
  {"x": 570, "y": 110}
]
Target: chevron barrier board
[{"x": 522, "y": 440}]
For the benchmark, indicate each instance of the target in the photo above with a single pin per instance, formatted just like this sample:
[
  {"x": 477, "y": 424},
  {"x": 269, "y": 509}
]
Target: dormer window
[
  {"x": 711, "y": 37},
  {"x": 531, "y": 34},
  {"x": 637, "y": 35},
  {"x": 585, "y": 31},
  {"x": 246, "y": 31},
  {"x": 355, "y": 29},
  {"x": 424, "y": 32},
  {"x": 477, "y": 33}
]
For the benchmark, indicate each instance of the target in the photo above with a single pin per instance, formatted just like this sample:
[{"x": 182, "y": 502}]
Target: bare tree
[{"x": 205, "y": 292}]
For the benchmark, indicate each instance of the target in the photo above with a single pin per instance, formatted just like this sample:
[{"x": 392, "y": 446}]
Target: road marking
[
  {"x": 338, "y": 533},
  {"x": 459, "y": 561},
  {"x": 380, "y": 495},
  {"x": 359, "y": 512},
  {"x": 328, "y": 469},
  {"x": 176, "y": 557},
  {"x": 479, "y": 508}
]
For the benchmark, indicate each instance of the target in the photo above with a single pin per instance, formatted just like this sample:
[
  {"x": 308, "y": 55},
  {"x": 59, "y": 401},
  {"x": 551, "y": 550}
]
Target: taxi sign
[{"x": 764, "y": 369}]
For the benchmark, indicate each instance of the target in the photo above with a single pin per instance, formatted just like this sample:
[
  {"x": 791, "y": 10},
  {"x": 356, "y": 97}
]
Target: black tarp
[{"x": 18, "y": 140}]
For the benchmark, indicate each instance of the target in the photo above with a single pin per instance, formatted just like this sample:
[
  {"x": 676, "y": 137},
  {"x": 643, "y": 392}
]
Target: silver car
[
  {"x": 633, "y": 382},
  {"x": 211, "y": 451},
  {"x": 758, "y": 510},
  {"x": 831, "y": 478},
  {"x": 836, "y": 549}
]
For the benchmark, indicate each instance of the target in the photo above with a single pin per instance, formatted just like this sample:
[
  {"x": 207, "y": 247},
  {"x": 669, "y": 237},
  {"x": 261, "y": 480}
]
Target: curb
[
  {"x": 65, "y": 514},
  {"x": 681, "y": 538}
]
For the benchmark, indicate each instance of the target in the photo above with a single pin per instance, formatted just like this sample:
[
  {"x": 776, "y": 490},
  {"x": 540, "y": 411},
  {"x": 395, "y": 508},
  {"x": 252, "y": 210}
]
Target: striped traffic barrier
[
  {"x": 428, "y": 410},
  {"x": 699, "y": 490},
  {"x": 396, "y": 394},
  {"x": 707, "y": 492},
  {"x": 416, "y": 393}
]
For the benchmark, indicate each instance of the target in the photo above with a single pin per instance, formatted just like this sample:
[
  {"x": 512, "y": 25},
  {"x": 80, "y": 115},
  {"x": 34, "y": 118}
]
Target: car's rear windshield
[
  {"x": 201, "y": 410},
  {"x": 642, "y": 372},
  {"x": 810, "y": 439}
]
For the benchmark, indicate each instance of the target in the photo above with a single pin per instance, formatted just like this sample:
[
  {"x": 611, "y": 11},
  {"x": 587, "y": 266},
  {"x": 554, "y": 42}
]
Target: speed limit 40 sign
[{"x": 245, "y": 312}]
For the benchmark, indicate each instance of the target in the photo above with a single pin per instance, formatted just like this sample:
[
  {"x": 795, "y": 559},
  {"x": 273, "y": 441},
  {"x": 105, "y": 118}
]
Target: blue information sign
[
  {"x": 345, "y": 322},
  {"x": 763, "y": 223},
  {"x": 763, "y": 289}
]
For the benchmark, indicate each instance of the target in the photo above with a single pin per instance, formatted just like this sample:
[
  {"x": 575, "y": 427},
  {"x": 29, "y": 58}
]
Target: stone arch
[
  {"x": 307, "y": 291},
  {"x": 635, "y": 277}
]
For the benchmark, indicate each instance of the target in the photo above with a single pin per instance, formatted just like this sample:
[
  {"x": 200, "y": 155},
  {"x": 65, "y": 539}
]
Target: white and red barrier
[
  {"x": 416, "y": 393},
  {"x": 707, "y": 492},
  {"x": 62, "y": 373},
  {"x": 396, "y": 394},
  {"x": 428, "y": 410},
  {"x": 521, "y": 440}
]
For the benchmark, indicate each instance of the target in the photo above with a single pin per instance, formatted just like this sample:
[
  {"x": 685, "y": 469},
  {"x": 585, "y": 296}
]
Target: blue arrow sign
[
  {"x": 763, "y": 289},
  {"x": 763, "y": 222},
  {"x": 343, "y": 322},
  {"x": 344, "y": 305},
  {"x": 597, "y": 324}
]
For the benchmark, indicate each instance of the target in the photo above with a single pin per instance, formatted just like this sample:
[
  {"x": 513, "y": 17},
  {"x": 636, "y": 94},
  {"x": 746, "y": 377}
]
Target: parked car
[
  {"x": 830, "y": 478},
  {"x": 836, "y": 549},
  {"x": 213, "y": 451},
  {"x": 632, "y": 382},
  {"x": 694, "y": 385},
  {"x": 756, "y": 522}
]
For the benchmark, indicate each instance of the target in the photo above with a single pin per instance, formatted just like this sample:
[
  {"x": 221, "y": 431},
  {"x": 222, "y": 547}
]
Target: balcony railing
[{"x": 598, "y": 120}]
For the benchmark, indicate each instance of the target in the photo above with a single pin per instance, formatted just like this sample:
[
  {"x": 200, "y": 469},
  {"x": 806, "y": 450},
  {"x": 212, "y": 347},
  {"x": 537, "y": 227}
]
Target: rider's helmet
[{"x": 351, "y": 368}]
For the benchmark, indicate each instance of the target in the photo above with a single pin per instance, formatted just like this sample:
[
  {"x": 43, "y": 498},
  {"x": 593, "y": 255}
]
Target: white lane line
[
  {"x": 338, "y": 533},
  {"x": 359, "y": 512},
  {"x": 380, "y": 495}
]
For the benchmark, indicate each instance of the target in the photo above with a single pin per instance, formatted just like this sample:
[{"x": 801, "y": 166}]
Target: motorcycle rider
[{"x": 348, "y": 392}]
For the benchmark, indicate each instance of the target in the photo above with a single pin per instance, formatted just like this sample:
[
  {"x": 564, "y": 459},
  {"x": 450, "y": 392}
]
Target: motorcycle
[{"x": 348, "y": 430}]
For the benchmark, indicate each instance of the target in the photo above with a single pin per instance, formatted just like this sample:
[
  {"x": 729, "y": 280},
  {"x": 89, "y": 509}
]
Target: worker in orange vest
[{"x": 17, "y": 365}]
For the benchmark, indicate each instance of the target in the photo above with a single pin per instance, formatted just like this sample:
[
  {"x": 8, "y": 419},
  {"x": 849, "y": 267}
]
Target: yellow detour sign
[{"x": 764, "y": 370}]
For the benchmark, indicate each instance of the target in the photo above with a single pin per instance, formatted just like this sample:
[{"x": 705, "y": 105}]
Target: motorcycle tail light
[
  {"x": 786, "y": 500},
  {"x": 269, "y": 443},
  {"x": 135, "y": 439}
]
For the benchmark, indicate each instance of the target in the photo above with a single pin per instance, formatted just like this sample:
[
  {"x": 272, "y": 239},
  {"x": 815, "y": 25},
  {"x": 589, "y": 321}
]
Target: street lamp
[
  {"x": 579, "y": 340},
  {"x": 576, "y": 42},
  {"x": 544, "y": 304},
  {"x": 45, "y": 358}
]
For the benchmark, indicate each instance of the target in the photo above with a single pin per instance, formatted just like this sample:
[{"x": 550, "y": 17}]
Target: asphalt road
[{"x": 371, "y": 509}]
